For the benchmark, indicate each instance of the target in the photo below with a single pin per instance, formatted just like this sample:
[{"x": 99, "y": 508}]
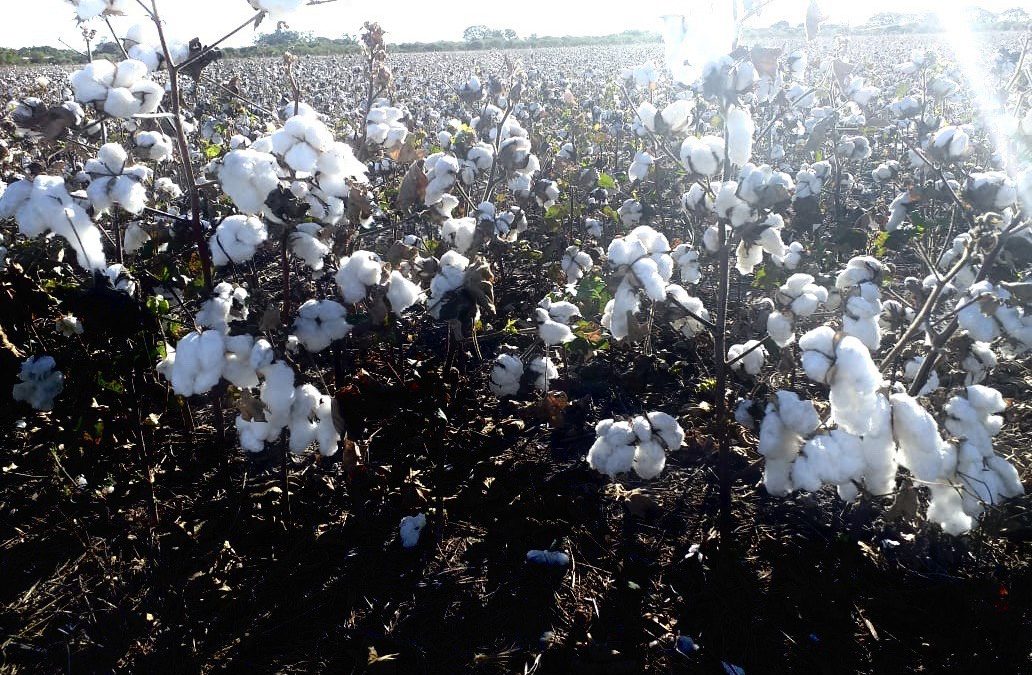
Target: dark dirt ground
[{"x": 224, "y": 580}]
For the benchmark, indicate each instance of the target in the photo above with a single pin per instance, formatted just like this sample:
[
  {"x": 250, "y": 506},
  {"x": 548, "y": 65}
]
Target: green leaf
[{"x": 606, "y": 181}]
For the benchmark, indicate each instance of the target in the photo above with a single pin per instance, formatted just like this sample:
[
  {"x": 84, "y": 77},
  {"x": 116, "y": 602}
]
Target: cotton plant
[
  {"x": 42, "y": 206},
  {"x": 121, "y": 90},
  {"x": 39, "y": 382},
  {"x": 639, "y": 444}
]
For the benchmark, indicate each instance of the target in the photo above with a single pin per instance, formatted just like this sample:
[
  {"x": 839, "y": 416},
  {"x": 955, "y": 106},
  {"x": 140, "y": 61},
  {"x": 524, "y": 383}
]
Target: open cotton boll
[
  {"x": 248, "y": 177},
  {"x": 154, "y": 145},
  {"x": 545, "y": 370},
  {"x": 620, "y": 310},
  {"x": 818, "y": 347},
  {"x": 237, "y": 369},
  {"x": 402, "y": 293},
  {"x": 562, "y": 311},
  {"x": 703, "y": 156},
  {"x": 762, "y": 187},
  {"x": 949, "y": 144},
  {"x": 550, "y": 331},
  {"x": 458, "y": 233},
  {"x": 44, "y": 205},
  {"x": 90, "y": 9},
  {"x": 667, "y": 428},
  {"x": 506, "y": 375},
  {"x": 910, "y": 370},
  {"x": 779, "y": 326},
  {"x": 977, "y": 363},
  {"x": 357, "y": 273},
  {"x": 630, "y": 212},
  {"x": 689, "y": 325},
  {"x": 834, "y": 458},
  {"x": 277, "y": 393},
  {"x": 451, "y": 275},
  {"x": 311, "y": 421},
  {"x": 410, "y": 529},
  {"x": 854, "y": 386},
  {"x": 922, "y": 450},
  {"x": 278, "y": 8},
  {"x": 687, "y": 260},
  {"x": 649, "y": 459},
  {"x": 786, "y": 421},
  {"x": 946, "y": 508},
  {"x": 196, "y": 363},
  {"x": 751, "y": 363},
  {"x": 319, "y": 323},
  {"x": 226, "y": 304},
  {"x": 236, "y": 239},
  {"x": 575, "y": 263},
  {"x": 640, "y": 166},
  {"x": 301, "y": 142},
  {"x": 613, "y": 451},
  {"x": 112, "y": 181},
  {"x": 306, "y": 245},
  {"x": 740, "y": 129},
  {"x": 861, "y": 318},
  {"x": 39, "y": 382},
  {"x": 727, "y": 205}
]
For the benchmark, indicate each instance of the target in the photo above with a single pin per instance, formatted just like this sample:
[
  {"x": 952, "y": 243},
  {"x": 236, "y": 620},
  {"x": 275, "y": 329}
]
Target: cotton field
[{"x": 703, "y": 355}]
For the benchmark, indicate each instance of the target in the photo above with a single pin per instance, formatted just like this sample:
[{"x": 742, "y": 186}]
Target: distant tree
[
  {"x": 476, "y": 33},
  {"x": 510, "y": 34}
]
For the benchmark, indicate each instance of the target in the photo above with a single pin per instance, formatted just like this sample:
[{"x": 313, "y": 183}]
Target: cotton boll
[
  {"x": 154, "y": 145},
  {"x": 458, "y": 233},
  {"x": 410, "y": 529},
  {"x": 978, "y": 361},
  {"x": 237, "y": 369},
  {"x": 551, "y": 332},
  {"x": 630, "y": 213},
  {"x": 575, "y": 263},
  {"x": 319, "y": 323},
  {"x": 727, "y": 205},
  {"x": 196, "y": 363},
  {"x": 921, "y": 449},
  {"x": 818, "y": 347},
  {"x": 740, "y": 129},
  {"x": 689, "y": 326},
  {"x": 236, "y": 239},
  {"x": 752, "y": 362},
  {"x": 306, "y": 245},
  {"x": 779, "y": 326},
  {"x": 357, "y": 273},
  {"x": 703, "y": 156},
  {"x": 402, "y": 293},
  {"x": 834, "y": 458},
  {"x": 548, "y": 558},
  {"x": 649, "y": 459},
  {"x": 506, "y": 376},
  {"x": 545, "y": 370},
  {"x": 667, "y": 428},
  {"x": 640, "y": 166},
  {"x": 248, "y": 177},
  {"x": 910, "y": 371},
  {"x": 43, "y": 206},
  {"x": 39, "y": 382},
  {"x": 687, "y": 261}
]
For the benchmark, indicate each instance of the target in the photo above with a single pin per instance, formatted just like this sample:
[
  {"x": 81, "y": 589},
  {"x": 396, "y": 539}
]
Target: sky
[{"x": 46, "y": 22}]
